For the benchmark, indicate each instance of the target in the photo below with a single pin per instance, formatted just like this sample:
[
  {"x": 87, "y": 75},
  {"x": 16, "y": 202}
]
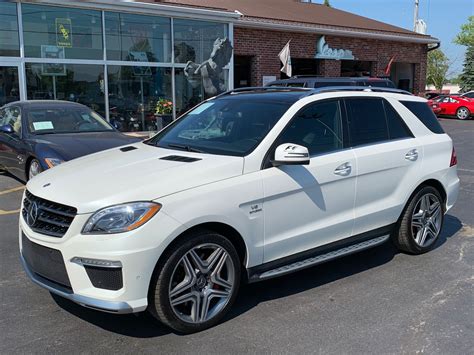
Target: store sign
[
  {"x": 323, "y": 51},
  {"x": 63, "y": 32}
]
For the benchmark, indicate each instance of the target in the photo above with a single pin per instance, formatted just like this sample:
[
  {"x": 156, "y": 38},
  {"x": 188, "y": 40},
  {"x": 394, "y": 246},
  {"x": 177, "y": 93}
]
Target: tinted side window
[
  {"x": 425, "y": 114},
  {"x": 12, "y": 117},
  {"x": 397, "y": 128},
  {"x": 318, "y": 127},
  {"x": 367, "y": 123}
]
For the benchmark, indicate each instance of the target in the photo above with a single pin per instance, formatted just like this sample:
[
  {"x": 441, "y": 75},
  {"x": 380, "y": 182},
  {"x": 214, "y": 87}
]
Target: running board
[{"x": 321, "y": 258}]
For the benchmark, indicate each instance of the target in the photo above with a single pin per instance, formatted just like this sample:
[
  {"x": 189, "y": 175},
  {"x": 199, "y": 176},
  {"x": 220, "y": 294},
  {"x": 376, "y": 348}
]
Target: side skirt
[{"x": 319, "y": 255}]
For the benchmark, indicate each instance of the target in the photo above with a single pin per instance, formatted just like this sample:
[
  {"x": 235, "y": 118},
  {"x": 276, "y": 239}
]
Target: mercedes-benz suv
[{"x": 247, "y": 186}]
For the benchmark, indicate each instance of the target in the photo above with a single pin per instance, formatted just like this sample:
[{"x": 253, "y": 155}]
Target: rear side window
[
  {"x": 367, "y": 123},
  {"x": 425, "y": 115},
  {"x": 397, "y": 128}
]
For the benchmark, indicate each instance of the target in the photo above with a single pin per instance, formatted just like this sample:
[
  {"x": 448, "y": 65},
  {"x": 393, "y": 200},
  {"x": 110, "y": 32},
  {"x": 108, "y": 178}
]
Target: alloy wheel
[
  {"x": 202, "y": 283},
  {"x": 463, "y": 113},
  {"x": 426, "y": 220}
]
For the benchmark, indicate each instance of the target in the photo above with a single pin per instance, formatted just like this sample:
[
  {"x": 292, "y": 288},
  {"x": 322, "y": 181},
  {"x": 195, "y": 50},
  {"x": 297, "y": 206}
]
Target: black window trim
[
  {"x": 345, "y": 142},
  {"x": 386, "y": 123}
]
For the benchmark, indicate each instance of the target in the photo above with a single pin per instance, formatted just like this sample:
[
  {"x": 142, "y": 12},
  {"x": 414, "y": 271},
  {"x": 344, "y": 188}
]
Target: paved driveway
[{"x": 378, "y": 301}]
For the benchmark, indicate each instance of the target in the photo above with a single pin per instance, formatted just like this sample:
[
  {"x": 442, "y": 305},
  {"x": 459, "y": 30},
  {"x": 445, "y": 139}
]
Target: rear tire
[
  {"x": 463, "y": 113},
  {"x": 421, "y": 222},
  {"x": 196, "y": 284}
]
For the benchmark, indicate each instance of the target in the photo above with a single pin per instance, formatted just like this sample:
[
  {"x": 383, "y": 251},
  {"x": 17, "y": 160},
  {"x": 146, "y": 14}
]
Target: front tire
[
  {"x": 463, "y": 113},
  {"x": 421, "y": 222},
  {"x": 197, "y": 283}
]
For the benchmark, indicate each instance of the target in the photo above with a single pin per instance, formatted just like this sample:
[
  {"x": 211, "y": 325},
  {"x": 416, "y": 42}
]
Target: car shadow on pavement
[{"x": 143, "y": 325}]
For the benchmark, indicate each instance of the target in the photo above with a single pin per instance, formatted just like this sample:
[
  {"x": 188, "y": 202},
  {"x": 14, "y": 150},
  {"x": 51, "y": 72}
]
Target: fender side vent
[
  {"x": 127, "y": 149},
  {"x": 180, "y": 158}
]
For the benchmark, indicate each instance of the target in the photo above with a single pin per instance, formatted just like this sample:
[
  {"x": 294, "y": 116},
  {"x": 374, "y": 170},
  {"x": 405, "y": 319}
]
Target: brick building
[
  {"x": 121, "y": 57},
  {"x": 265, "y": 26}
]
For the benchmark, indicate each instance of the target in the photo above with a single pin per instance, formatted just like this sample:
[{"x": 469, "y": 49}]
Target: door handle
[
  {"x": 343, "y": 170},
  {"x": 412, "y": 155}
]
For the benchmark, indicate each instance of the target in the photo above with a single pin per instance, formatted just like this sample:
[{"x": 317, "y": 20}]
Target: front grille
[
  {"x": 45, "y": 262},
  {"x": 105, "y": 278},
  {"x": 47, "y": 217}
]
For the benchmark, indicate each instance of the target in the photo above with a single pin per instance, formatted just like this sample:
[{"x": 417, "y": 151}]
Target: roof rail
[
  {"x": 264, "y": 88},
  {"x": 360, "y": 88}
]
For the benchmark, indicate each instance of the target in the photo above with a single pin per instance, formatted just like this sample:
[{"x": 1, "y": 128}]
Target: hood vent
[
  {"x": 180, "y": 158},
  {"x": 127, "y": 149}
]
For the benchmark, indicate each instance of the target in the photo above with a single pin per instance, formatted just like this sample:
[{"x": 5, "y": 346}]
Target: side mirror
[
  {"x": 291, "y": 154},
  {"x": 6, "y": 129}
]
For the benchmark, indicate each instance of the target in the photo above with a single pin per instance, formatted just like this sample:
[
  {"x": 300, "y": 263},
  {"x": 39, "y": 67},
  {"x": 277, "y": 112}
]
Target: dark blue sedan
[{"x": 38, "y": 135}]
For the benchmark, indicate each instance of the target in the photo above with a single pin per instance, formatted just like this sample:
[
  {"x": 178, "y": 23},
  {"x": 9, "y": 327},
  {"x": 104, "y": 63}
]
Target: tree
[
  {"x": 466, "y": 36},
  {"x": 326, "y": 3},
  {"x": 466, "y": 79},
  {"x": 437, "y": 69}
]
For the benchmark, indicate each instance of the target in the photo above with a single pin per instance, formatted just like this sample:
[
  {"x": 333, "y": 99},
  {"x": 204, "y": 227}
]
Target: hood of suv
[{"x": 138, "y": 172}]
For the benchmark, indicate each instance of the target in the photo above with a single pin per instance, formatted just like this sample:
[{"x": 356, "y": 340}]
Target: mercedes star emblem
[{"x": 32, "y": 214}]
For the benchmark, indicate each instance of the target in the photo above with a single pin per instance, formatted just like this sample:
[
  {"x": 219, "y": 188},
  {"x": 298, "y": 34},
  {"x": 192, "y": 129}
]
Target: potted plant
[{"x": 163, "y": 113}]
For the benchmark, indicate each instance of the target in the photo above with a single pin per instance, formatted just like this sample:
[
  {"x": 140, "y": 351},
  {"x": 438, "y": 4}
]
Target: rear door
[{"x": 388, "y": 161}]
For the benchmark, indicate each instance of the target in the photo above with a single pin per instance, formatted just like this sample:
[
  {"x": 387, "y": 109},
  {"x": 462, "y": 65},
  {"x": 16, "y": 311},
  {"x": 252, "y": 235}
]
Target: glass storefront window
[
  {"x": 57, "y": 32},
  {"x": 139, "y": 38},
  {"x": 9, "y": 42},
  {"x": 194, "y": 40},
  {"x": 133, "y": 94},
  {"x": 73, "y": 82},
  {"x": 9, "y": 88},
  {"x": 189, "y": 93}
]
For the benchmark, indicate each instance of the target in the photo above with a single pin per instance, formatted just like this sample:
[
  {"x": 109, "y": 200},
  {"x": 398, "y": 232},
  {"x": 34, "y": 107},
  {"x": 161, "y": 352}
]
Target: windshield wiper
[{"x": 185, "y": 147}]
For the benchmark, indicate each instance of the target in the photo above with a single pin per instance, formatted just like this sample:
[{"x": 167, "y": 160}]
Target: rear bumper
[
  {"x": 452, "y": 188},
  {"x": 106, "y": 306}
]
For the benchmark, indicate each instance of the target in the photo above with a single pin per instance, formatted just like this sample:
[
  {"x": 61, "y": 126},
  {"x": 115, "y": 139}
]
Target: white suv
[{"x": 247, "y": 186}]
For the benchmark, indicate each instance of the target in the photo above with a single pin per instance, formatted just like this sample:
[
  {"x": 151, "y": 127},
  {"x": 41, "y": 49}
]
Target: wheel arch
[{"x": 429, "y": 182}]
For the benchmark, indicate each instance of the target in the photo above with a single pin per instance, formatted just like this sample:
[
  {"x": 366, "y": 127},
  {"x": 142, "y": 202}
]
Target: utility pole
[{"x": 415, "y": 16}]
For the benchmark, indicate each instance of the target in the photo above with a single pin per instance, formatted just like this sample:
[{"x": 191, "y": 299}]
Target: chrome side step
[{"x": 299, "y": 265}]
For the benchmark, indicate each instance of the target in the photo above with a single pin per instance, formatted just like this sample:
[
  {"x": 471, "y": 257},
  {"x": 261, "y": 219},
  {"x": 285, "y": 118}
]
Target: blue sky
[{"x": 443, "y": 17}]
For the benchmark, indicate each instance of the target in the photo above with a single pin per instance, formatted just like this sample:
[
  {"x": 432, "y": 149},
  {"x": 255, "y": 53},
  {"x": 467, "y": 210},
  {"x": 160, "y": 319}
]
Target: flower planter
[{"x": 162, "y": 121}]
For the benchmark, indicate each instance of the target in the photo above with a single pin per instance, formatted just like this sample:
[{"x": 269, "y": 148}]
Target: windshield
[
  {"x": 223, "y": 126},
  {"x": 51, "y": 120}
]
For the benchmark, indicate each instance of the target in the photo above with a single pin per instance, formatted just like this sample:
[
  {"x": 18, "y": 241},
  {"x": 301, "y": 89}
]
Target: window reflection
[
  {"x": 133, "y": 94},
  {"x": 194, "y": 40},
  {"x": 9, "y": 88},
  {"x": 9, "y": 42},
  {"x": 71, "y": 82},
  {"x": 77, "y": 32},
  {"x": 190, "y": 93},
  {"x": 138, "y": 38}
]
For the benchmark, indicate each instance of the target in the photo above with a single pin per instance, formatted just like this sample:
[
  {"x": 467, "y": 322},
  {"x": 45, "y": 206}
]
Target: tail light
[{"x": 454, "y": 158}]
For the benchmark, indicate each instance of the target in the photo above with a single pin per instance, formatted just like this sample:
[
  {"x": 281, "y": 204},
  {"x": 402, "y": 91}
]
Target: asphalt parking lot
[{"x": 378, "y": 301}]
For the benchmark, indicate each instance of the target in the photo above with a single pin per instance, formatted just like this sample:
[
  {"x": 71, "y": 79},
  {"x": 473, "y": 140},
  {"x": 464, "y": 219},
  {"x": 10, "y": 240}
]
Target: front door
[
  {"x": 11, "y": 144},
  {"x": 306, "y": 206}
]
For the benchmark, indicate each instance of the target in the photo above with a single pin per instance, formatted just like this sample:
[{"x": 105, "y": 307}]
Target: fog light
[{"x": 96, "y": 262}]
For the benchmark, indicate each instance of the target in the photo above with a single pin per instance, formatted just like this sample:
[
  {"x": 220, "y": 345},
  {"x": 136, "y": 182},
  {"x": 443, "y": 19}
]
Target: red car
[{"x": 453, "y": 105}]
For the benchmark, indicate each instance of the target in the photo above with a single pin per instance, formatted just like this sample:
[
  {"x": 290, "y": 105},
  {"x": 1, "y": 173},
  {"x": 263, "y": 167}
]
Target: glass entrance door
[{"x": 9, "y": 84}]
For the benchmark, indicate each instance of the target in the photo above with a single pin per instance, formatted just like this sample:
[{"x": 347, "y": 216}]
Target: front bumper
[
  {"x": 136, "y": 251},
  {"x": 102, "y": 305}
]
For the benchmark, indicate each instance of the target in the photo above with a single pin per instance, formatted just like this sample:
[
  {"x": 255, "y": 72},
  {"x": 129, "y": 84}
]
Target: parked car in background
[
  {"x": 37, "y": 135},
  {"x": 469, "y": 94},
  {"x": 250, "y": 185},
  {"x": 453, "y": 106},
  {"x": 318, "y": 82}
]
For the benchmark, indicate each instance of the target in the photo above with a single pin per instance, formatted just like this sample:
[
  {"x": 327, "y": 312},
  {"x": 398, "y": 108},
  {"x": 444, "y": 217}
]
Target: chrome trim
[{"x": 105, "y": 306}]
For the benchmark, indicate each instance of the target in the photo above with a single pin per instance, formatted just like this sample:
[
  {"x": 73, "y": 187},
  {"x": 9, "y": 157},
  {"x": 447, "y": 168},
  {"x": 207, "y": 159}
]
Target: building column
[{"x": 330, "y": 67}]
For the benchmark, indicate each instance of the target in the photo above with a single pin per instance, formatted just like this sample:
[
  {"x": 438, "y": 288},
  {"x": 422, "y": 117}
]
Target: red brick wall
[{"x": 264, "y": 46}]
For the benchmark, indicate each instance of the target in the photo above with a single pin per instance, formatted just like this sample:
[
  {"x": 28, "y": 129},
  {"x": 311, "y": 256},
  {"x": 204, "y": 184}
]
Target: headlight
[
  {"x": 52, "y": 162},
  {"x": 121, "y": 218}
]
